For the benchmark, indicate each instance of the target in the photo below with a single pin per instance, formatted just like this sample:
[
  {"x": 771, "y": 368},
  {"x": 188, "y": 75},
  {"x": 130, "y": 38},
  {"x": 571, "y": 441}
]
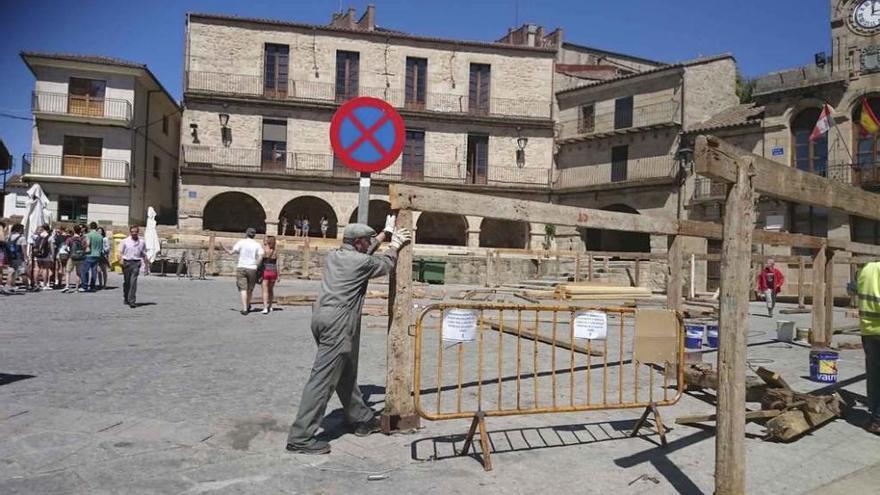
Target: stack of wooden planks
[{"x": 599, "y": 291}]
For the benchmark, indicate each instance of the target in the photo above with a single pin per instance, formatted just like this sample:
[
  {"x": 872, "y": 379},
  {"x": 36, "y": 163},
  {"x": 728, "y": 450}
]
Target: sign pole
[{"x": 364, "y": 199}]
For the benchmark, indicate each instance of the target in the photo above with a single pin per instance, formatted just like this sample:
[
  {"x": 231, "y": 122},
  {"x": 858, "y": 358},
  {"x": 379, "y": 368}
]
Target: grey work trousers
[
  {"x": 337, "y": 332},
  {"x": 871, "y": 345},
  {"x": 130, "y": 271}
]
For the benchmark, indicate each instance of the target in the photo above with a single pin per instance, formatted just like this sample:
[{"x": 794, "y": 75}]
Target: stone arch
[
  {"x": 496, "y": 233},
  {"x": 441, "y": 228},
  {"x": 233, "y": 212},
  {"x": 613, "y": 240},
  {"x": 313, "y": 208},
  {"x": 378, "y": 210}
]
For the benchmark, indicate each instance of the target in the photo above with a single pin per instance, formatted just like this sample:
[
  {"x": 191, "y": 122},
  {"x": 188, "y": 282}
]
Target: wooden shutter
[
  {"x": 619, "y": 156},
  {"x": 623, "y": 112},
  {"x": 347, "y": 72},
  {"x": 416, "y": 82},
  {"x": 413, "y": 166},
  {"x": 478, "y": 91}
]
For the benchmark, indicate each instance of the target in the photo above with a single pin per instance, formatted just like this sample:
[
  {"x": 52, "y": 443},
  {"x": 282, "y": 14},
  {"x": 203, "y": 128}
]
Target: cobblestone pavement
[{"x": 184, "y": 395}]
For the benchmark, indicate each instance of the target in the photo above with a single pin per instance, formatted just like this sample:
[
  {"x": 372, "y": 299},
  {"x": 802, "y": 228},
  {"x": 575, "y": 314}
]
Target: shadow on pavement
[{"x": 7, "y": 378}]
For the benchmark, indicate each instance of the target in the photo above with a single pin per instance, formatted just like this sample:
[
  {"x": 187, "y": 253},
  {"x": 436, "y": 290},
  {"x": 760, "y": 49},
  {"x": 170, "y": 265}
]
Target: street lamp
[
  {"x": 225, "y": 132},
  {"x": 521, "y": 143}
]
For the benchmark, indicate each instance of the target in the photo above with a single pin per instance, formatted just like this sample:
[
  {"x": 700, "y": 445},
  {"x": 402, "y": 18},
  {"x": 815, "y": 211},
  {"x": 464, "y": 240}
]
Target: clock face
[{"x": 866, "y": 15}]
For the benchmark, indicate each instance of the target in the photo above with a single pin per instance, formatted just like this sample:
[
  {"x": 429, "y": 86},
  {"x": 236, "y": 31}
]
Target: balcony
[
  {"x": 865, "y": 175},
  {"x": 707, "y": 190},
  {"x": 667, "y": 113},
  {"x": 216, "y": 83},
  {"x": 307, "y": 164},
  {"x": 74, "y": 168},
  {"x": 649, "y": 169},
  {"x": 797, "y": 78},
  {"x": 82, "y": 108}
]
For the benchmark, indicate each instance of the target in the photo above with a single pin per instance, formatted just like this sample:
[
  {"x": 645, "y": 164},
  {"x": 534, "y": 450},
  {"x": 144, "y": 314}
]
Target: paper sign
[
  {"x": 591, "y": 325},
  {"x": 460, "y": 325},
  {"x": 656, "y": 336}
]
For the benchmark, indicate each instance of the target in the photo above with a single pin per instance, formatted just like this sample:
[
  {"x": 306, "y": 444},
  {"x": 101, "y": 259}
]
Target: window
[
  {"x": 619, "y": 156},
  {"x": 809, "y": 156},
  {"x": 478, "y": 91},
  {"x": 477, "y": 159},
  {"x": 864, "y": 230},
  {"x": 416, "y": 82},
  {"x": 86, "y": 97},
  {"x": 21, "y": 201},
  {"x": 157, "y": 164},
  {"x": 82, "y": 156},
  {"x": 413, "y": 165},
  {"x": 347, "y": 65},
  {"x": 275, "y": 70},
  {"x": 809, "y": 220},
  {"x": 623, "y": 112},
  {"x": 73, "y": 208},
  {"x": 274, "y": 149},
  {"x": 165, "y": 125},
  {"x": 868, "y": 148},
  {"x": 586, "y": 118}
]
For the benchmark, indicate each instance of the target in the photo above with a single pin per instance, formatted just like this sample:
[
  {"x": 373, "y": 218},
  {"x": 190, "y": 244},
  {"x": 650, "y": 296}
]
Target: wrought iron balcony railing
[
  {"x": 634, "y": 170},
  {"x": 667, "y": 112},
  {"x": 75, "y": 166},
  {"x": 81, "y": 106}
]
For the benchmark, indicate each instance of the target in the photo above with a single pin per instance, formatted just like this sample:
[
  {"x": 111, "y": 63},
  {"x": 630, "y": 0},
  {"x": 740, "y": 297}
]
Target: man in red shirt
[{"x": 770, "y": 284}]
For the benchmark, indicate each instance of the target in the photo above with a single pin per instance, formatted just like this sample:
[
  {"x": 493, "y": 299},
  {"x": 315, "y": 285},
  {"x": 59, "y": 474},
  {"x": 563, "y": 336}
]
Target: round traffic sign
[{"x": 367, "y": 134}]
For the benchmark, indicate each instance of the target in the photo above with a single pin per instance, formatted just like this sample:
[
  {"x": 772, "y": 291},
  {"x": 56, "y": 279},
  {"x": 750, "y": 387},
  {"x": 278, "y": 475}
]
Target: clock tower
[{"x": 855, "y": 37}]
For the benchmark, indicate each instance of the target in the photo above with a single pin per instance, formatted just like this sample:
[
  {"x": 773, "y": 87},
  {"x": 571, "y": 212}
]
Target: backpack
[
  {"x": 13, "y": 251},
  {"x": 77, "y": 253},
  {"x": 41, "y": 248}
]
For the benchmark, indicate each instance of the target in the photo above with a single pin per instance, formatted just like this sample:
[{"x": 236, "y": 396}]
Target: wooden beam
[
  {"x": 399, "y": 412},
  {"x": 801, "y": 293},
  {"x": 818, "y": 306},
  {"x": 673, "y": 288},
  {"x": 736, "y": 283},
  {"x": 714, "y": 157},
  {"x": 828, "y": 299}
]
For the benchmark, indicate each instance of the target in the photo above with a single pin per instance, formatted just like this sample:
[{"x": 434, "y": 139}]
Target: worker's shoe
[
  {"x": 873, "y": 426},
  {"x": 369, "y": 427},
  {"x": 317, "y": 447}
]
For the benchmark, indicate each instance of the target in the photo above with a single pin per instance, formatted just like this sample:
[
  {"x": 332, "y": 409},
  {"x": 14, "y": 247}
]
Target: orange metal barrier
[{"x": 526, "y": 359}]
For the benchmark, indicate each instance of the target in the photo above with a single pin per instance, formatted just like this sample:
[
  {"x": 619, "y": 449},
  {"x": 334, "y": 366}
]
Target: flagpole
[{"x": 840, "y": 135}]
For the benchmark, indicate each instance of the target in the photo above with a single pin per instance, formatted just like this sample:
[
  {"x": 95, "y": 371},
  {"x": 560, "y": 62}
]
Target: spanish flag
[{"x": 868, "y": 122}]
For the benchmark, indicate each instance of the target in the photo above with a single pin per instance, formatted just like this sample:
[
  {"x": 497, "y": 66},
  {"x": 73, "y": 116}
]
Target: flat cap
[{"x": 357, "y": 231}]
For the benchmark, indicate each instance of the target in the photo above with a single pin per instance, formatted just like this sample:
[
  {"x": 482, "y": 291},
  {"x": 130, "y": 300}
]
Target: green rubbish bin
[
  {"x": 434, "y": 271},
  {"x": 418, "y": 270}
]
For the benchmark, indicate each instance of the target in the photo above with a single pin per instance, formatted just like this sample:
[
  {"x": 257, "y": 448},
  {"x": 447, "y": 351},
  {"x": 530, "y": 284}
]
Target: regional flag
[
  {"x": 822, "y": 125},
  {"x": 868, "y": 122}
]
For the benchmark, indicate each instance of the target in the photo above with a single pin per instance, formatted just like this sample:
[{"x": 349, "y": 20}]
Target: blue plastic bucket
[
  {"x": 693, "y": 335},
  {"x": 712, "y": 334},
  {"x": 823, "y": 366}
]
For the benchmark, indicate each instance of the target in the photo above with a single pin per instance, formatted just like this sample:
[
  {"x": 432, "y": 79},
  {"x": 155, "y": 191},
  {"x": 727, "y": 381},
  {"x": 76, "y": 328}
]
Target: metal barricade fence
[{"x": 527, "y": 359}]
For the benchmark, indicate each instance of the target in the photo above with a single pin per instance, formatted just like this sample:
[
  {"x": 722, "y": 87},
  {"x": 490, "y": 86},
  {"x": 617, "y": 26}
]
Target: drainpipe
[{"x": 146, "y": 143}]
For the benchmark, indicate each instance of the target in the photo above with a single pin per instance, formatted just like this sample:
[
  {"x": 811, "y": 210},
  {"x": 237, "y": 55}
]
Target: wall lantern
[
  {"x": 194, "y": 133},
  {"x": 521, "y": 143},
  {"x": 225, "y": 132}
]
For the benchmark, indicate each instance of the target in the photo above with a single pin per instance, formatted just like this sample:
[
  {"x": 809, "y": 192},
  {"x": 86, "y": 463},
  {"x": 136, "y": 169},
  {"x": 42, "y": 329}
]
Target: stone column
[
  {"x": 271, "y": 228},
  {"x": 473, "y": 232}
]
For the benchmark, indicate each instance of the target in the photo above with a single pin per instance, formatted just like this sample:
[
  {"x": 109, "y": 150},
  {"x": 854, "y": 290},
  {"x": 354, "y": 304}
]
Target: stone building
[
  {"x": 259, "y": 95},
  {"x": 778, "y": 123},
  {"x": 105, "y": 139}
]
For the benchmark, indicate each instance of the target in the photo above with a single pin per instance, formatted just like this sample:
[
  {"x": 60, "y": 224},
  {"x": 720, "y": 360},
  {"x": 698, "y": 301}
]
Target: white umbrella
[
  {"x": 151, "y": 236},
  {"x": 37, "y": 211}
]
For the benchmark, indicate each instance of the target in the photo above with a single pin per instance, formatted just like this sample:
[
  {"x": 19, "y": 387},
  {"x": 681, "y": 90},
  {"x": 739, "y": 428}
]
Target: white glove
[
  {"x": 390, "y": 221},
  {"x": 399, "y": 238}
]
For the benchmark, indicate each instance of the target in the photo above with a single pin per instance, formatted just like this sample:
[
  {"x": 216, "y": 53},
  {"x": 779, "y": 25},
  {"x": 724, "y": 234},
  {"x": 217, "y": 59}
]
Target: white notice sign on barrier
[
  {"x": 591, "y": 325},
  {"x": 460, "y": 325}
]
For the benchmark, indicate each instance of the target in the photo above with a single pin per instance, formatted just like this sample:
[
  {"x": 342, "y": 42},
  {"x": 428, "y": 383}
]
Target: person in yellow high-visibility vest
[{"x": 868, "y": 290}]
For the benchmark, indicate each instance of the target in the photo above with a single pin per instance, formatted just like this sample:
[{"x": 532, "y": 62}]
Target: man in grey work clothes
[{"x": 336, "y": 326}]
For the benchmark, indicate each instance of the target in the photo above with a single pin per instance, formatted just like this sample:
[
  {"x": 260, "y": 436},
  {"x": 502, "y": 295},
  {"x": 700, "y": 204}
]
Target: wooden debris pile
[{"x": 788, "y": 414}]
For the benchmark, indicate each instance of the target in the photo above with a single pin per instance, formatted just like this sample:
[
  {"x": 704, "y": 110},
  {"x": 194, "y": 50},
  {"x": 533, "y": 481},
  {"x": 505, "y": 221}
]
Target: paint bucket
[
  {"x": 802, "y": 334},
  {"x": 693, "y": 335},
  {"x": 784, "y": 331},
  {"x": 712, "y": 335},
  {"x": 823, "y": 366}
]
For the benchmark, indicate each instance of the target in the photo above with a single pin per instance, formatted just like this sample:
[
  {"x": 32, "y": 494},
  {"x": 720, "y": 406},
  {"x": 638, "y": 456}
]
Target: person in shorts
[
  {"x": 269, "y": 266},
  {"x": 16, "y": 249},
  {"x": 44, "y": 257},
  {"x": 76, "y": 249},
  {"x": 250, "y": 253}
]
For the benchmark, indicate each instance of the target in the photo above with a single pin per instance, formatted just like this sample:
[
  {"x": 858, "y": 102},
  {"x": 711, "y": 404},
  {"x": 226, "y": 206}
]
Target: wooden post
[
  {"x": 638, "y": 272},
  {"x": 673, "y": 287},
  {"x": 590, "y": 267},
  {"x": 801, "y": 293},
  {"x": 399, "y": 412},
  {"x": 488, "y": 268},
  {"x": 692, "y": 293},
  {"x": 818, "y": 308},
  {"x": 606, "y": 261},
  {"x": 577, "y": 267},
  {"x": 828, "y": 300},
  {"x": 211, "y": 241},
  {"x": 306, "y": 259},
  {"x": 739, "y": 221},
  {"x": 853, "y": 278}
]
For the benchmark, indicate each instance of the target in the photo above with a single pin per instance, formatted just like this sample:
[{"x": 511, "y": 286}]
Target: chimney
[
  {"x": 344, "y": 21},
  {"x": 367, "y": 21}
]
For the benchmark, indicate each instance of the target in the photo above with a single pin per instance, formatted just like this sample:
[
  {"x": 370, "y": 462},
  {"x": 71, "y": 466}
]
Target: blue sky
[{"x": 763, "y": 35}]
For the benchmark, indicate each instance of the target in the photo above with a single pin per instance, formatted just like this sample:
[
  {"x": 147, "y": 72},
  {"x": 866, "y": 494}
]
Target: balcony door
[
  {"x": 809, "y": 156},
  {"x": 478, "y": 91},
  {"x": 477, "y": 159},
  {"x": 623, "y": 112},
  {"x": 619, "y": 159},
  {"x": 347, "y": 75},
  {"x": 275, "y": 70},
  {"x": 82, "y": 157},
  {"x": 413, "y": 165},
  {"x": 273, "y": 156},
  {"x": 86, "y": 97},
  {"x": 416, "y": 82}
]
